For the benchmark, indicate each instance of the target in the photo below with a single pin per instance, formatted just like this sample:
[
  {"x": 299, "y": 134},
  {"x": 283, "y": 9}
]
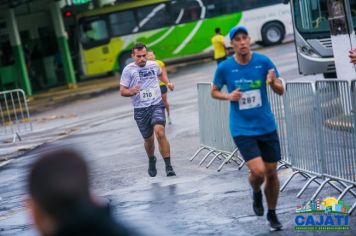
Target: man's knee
[
  {"x": 258, "y": 173},
  {"x": 160, "y": 132},
  {"x": 256, "y": 167},
  {"x": 271, "y": 171},
  {"x": 149, "y": 140},
  {"x": 271, "y": 174}
]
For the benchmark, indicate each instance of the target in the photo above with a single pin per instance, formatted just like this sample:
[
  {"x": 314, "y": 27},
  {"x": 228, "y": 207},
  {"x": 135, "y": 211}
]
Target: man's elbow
[
  {"x": 213, "y": 94},
  {"x": 122, "y": 92}
]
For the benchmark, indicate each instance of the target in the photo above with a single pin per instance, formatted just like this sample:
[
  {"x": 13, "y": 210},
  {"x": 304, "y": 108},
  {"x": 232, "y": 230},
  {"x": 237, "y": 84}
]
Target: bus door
[{"x": 96, "y": 53}]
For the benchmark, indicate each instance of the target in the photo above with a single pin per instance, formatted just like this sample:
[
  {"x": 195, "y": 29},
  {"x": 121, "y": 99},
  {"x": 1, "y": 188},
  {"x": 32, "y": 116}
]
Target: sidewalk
[
  {"x": 51, "y": 98},
  {"x": 47, "y": 100}
]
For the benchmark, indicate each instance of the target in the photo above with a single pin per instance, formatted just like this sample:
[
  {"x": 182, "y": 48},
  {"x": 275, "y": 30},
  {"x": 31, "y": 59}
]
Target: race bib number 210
[
  {"x": 147, "y": 94},
  {"x": 250, "y": 99}
]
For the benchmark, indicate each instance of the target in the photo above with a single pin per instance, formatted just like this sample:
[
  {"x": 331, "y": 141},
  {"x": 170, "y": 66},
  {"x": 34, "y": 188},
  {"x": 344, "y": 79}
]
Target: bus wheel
[
  {"x": 272, "y": 33},
  {"x": 125, "y": 59}
]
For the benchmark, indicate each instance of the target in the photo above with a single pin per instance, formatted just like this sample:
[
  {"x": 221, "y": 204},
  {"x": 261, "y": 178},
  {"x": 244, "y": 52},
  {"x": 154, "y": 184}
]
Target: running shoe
[
  {"x": 170, "y": 171},
  {"x": 152, "y": 171},
  {"x": 257, "y": 204},
  {"x": 274, "y": 223}
]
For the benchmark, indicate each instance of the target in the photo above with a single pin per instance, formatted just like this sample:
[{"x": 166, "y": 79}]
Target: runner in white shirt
[{"x": 140, "y": 81}]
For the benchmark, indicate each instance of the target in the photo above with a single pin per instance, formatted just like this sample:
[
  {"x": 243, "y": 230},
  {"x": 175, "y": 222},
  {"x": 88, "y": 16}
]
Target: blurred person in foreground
[
  {"x": 252, "y": 124},
  {"x": 164, "y": 91},
  {"x": 60, "y": 201}
]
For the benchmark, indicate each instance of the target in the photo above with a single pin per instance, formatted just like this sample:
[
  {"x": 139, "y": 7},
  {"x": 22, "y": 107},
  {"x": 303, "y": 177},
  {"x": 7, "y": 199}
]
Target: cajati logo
[{"x": 327, "y": 214}]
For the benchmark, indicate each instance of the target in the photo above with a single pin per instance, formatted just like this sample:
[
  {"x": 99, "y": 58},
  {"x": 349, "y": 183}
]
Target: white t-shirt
[{"x": 147, "y": 78}]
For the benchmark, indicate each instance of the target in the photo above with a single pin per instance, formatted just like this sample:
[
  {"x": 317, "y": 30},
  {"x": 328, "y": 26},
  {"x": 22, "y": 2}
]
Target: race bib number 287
[{"x": 250, "y": 99}]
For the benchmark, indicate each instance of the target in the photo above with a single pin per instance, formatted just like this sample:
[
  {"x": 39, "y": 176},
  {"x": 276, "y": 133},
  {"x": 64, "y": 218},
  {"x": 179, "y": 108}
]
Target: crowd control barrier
[
  {"x": 14, "y": 114},
  {"x": 215, "y": 138}
]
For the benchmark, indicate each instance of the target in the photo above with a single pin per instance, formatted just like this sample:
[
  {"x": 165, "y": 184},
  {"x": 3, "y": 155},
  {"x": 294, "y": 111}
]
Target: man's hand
[
  {"x": 271, "y": 77},
  {"x": 353, "y": 55},
  {"x": 234, "y": 95},
  {"x": 135, "y": 90},
  {"x": 170, "y": 86}
]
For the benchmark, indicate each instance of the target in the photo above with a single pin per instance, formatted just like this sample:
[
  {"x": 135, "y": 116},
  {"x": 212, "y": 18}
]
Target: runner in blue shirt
[{"x": 252, "y": 123}]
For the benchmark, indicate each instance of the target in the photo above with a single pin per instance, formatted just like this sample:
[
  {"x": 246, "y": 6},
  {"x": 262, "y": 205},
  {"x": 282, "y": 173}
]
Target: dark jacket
[{"x": 92, "y": 221}]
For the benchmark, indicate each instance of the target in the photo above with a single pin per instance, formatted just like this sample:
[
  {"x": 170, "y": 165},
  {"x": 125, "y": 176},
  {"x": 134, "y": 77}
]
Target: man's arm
[
  {"x": 126, "y": 92},
  {"x": 225, "y": 48},
  {"x": 218, "y": 94},
  {"x": 353, "y": 55},
  {"x": 164, "y": 78},
  {"x": 275, "y": 83}
]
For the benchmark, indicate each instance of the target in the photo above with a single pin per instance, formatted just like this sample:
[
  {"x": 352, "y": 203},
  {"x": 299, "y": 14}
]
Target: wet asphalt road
[{"x": 198, "y": 201}]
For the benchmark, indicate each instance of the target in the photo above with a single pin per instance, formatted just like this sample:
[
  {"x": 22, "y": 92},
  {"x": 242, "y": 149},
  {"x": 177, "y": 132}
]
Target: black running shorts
[
  {"x": 266, "y": 146},
  {"x": 147, "y": 117}
]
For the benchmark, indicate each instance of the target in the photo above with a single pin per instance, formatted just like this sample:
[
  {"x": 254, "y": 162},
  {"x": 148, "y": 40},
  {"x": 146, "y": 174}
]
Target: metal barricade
[
  {"x": 277, "y": 105},
  {"x": 337, "y": 132},
  {"x": 321, "y": 134},
  {"x": 14, "y": 114},
  {"x": 302, "y": 129},
  {"x": 214, "y": 128}
]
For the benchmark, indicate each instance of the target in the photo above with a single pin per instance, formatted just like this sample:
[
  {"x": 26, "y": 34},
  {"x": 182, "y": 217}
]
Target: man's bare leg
[
  {"x": 272, "y": 185},
  {"x": 164, "y": 148},
  {"x": 256, "y": 179},
  {"x": 272, "y": 192},
  {"x": 150, "y": 150}
]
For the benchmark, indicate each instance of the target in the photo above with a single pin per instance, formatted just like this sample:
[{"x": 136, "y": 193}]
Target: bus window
[
  {"x": 221, "y": 7},
  {"x": 314, "y": 15},
  {"x": 152, "y": 17},
  {"x": 353, "y": 11},
  {"x": 122, "y": 23},
  {"x": 185, "y": 10},
  {"x": 252, "y": 4},
  {"x": 93, "y": 32}
]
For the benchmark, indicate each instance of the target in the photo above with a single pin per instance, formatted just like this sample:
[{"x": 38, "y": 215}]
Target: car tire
[{"x": 272, "y": 34}]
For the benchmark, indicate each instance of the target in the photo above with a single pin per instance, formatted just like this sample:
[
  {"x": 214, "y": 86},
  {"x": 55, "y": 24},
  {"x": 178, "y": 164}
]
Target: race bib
[
  {"x": 250, "y": 99},
  {"x": 147, "y": 94}
]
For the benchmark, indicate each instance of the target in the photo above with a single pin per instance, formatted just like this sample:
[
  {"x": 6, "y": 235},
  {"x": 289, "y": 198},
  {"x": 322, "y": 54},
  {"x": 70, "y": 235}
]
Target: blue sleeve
[
  {"x": 219, "y": 80},
  {"x": 270, "y": 65}
]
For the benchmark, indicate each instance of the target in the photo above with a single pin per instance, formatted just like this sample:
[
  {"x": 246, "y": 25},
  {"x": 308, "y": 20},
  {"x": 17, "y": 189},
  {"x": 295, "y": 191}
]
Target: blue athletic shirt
[{"x": 252, "y": 114}]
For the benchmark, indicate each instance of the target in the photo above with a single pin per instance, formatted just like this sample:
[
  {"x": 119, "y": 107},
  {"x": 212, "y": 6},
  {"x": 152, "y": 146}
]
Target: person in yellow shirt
[
  {"x": 151, "y": 56},
  {"x": 220, "y": 52}
]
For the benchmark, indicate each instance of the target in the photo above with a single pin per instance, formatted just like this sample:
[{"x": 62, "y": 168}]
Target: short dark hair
[
  {"x": 58, "y": 182},
  {"x": 217, "y": 30},
  {"x": 138, "y": 46}
]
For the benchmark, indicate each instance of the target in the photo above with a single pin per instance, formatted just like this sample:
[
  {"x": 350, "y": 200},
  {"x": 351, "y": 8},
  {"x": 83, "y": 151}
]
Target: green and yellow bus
[{"x": 172, "y": 28}]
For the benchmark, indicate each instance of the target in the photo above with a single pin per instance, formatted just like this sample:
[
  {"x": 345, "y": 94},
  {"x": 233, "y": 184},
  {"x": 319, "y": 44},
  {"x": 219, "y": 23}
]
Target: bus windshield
[{"x": 311, "y": 16}]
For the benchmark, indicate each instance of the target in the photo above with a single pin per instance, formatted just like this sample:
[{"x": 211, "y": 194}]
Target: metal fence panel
[
  {"x": 277, "y": 106},
  {"x": 302, "y": 127},
  {"x": 337, "y": 129},
  {"x": 14, "y": 113},
  {"x": 213, "y": 121}
]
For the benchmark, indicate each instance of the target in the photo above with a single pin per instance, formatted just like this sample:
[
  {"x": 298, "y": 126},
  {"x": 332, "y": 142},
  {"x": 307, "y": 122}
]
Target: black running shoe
[
  {"x": 170, "y": 171},
  {"x": 274, "y": 223},
  {"x": 152, "y": 171},
  {"x": 257, "y": 204}
]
